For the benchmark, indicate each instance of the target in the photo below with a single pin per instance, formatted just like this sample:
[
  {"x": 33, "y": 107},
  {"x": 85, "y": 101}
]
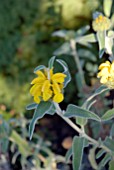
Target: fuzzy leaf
[
  {"x": 107, "y": 5},
  {"x": 63, "y": 49},
  {"x": 101, "y": 40},
  {"x": 90, "y": 38},
  {"x": 40, "y": 111},
  {"x": 111, "y": 165},
  {"x": 77, "y": 148},
  {"x": 31, "y": 106},
  {"x": 100, "y": 153},
  {"x": 76, "y": 111},
  {"x": 51, "y": 62},
  {"x": 66, "y": 71},
  {"x": 109, "y": 143},
  {"x": 60, "y": 33},
  {"x": 68, "y": 154},
  {"x": 92, "y": 159},
  {"x": 41, "y": 67},
  {"x": 104, "y": 161},
  {"x": 108, "y": 115}
]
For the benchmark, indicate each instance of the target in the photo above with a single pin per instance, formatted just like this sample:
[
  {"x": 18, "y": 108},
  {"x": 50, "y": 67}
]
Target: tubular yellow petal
[
  {"x": 40, "y": 74},
  {"x": 56, "y": 88},
  {"x": 58, "y": 98},
  {"x": 106, "y": 64},
  {"x": 46, "y": 86},
  {"x": 47, "y": 95},
  {"x": 36, "y": 99},
  {"x": 35, "y": 89},
  {"x": 38, "y": 80},
  {"x": 58, "y": 77}
]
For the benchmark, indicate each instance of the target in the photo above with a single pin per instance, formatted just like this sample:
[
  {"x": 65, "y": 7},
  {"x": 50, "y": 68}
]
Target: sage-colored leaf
[
  {"x": 100, "y": 153},
  {"x": 111, "y": 165},
  {"x": 31, "y": 106},
  {"x": 108, "y": 115},
  {"x": 68, "y": 155},
  {"x": 107, "y": 5},
  {"x": 112, "y": 131},
  {"x": 81, "y": 31},
  {"x": 92, "y": 159},
  {"x": 51, "y": 62},
  {"x": 89, "y": 101},
  {"x": 60, "y": 33},
  {"x": 109, "y": 143},
  {"x": 66, "y": 71},
  {"x": 63, "y": 49},
  {"x": 41, "y": 67},
  {"x": 77, "y": 149},
  {"x": 40, "y": 111},
  {"x": 76, "y": 111},
  {"x": 104, "y": 161},
  {"x": 90, "y": 38},
  {"x": 81, "y": 121},
  {"x": 101, "y": 39}
]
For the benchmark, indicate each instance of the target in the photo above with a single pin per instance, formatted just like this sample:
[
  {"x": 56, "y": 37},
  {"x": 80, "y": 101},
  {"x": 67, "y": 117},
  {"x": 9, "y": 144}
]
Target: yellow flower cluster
[
  {"x": 107, "y": 74},
  {"x": 101, "y": 23},
  {"x": 48, "y": 86}
]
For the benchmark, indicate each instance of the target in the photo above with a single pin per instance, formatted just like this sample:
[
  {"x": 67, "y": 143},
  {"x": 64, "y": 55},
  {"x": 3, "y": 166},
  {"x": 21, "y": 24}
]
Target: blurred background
[{"x": 26, "y": 41}]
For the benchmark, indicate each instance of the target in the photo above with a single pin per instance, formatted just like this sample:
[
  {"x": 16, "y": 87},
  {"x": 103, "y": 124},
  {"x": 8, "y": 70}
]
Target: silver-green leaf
[{"x": 108, "y": 115}]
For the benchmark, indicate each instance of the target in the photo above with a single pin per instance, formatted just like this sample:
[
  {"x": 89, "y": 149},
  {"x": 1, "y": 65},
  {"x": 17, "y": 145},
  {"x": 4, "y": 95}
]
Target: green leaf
[
  {"x": 111, "y": 165},
  {"x": 90, "y": 38},
  {"x": 81, "y": 121},
  {"x": 104, "y": 161},
  {"x": 112, "y": 131},
  {"x": 64, "y": 49},
  {"x": 41, "y": 67},
  {"x": 107, "y": 5},
  {"x": 100, "y": 153},
  {"x": 5, "y": 144},
  {"x": 109, "y": 143},
  {"x": 40, "y": 111},
  {"x": 60, "y": 33},
  {"x": 82, "y": 31},
  {"x": 51, "y": 62},
  {"x": 108, "y": 115},
  {"x": 92, "y": 159},
  {"x": 101, "y": 39},
  {"x": 77, "y": 148},
  {"x": 76, "y": 111},
  {"x": 66, "y": 71},
  {"x": 100, "y": 90},
  {"x": 31, "y": 106},
  {"x": 68, "y": 155}
]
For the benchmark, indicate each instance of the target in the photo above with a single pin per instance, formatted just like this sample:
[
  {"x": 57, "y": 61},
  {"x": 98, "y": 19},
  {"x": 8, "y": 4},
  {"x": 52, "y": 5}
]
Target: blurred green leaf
[
  {"x": 41, "y": 67},
  {"x": 109, "y": 143},
  {"x": 77, "y": 149},
  {"x": 112, "y": 131},
  {"x": 51, "y": 62},
  {"x": 40, "y": 111},
  {"x": 66, "y": 71},
  {"x": 107, "y": 5},
  {"x": 92, "y": 159},
  {"x": 64, "y": 49},
  {"x": 100, "y": 153},
  {"x": 111, "y": 165},
  {"x": 60, "y": 33},
  {"x": 108, "y": 115},
  {"x": 31, "y": 106},
  {"x": 90, "y": 38},
  {"x": 104, "y": 161},
  {"x": 76, "y": 111},
  {"x": 68, "y": 154},
  {"x": 81, "y": 121},
  {"x": 81, "y": 31},
  {"x": 101, "y": 40}
]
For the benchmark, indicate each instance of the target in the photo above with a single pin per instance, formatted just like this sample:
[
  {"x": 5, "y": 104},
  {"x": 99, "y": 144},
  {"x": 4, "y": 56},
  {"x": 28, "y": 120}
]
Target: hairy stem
[
  {"x": 76, "y": 59},
  {"x": 80, "y": 131}
]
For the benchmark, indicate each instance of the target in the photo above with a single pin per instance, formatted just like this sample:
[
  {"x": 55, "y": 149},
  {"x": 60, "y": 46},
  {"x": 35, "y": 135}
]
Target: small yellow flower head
[
  {"x": 48, "y": 86},
  {"x": 107, "y": 74},
  {"x": 101, "y": 23}
]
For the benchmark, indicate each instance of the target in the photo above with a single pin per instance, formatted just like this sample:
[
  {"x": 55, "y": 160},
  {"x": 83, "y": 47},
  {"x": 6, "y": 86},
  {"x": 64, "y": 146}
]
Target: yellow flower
[
  {"x": 48, "y": 86},
  {"x": 107, "y": 74},
  {"x": 101, "y": 23}
]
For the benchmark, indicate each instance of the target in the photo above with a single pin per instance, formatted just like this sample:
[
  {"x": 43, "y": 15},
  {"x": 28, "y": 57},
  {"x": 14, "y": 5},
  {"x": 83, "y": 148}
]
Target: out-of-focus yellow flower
[
  {"x": 107, "y": 74},
  {"x": 101, "y": 23},
  {"x": 48, "y": 86}
]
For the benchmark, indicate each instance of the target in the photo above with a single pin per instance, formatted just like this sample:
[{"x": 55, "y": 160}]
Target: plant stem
[
  {"x": 80, "y": 131},
  {"x": 76, "y": 59}
]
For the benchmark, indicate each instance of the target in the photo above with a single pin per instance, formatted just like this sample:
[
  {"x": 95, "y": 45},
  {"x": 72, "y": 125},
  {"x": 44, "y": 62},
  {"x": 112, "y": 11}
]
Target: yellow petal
[
  {"x": 38, "y": 80},
  {"x": 35, "y": 89},
  {"x": 58, "y": 98},
  {"x": 106, "y": 64},
  {"x": 47, "y": 95},
  {"x": 59, "y": 77},
  {"x": 40, "y": 74},
  {"x": 56, "y": 88},
  {"x": 36, "y": 99},
  {"x": 103, "y": 80},
  {"x": 46, "y": 86}
]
